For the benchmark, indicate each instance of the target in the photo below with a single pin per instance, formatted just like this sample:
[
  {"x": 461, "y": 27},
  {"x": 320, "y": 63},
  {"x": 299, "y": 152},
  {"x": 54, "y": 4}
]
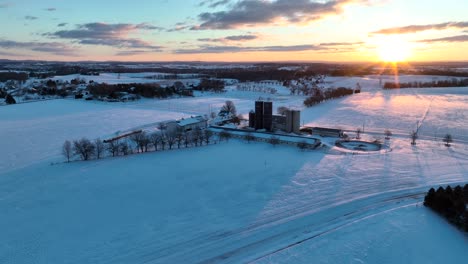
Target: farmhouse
[{"x": 187, "y": 124}]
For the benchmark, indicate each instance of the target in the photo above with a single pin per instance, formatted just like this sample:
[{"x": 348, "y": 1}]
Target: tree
[
  {"x": 224, "y": 135},
  {"x": 179, "y": 139},
  {"x": 230, "y": 108},
  {"x": 67, "y": 150},
  {"x": 413, "y": 136},
  {"x": 187, "y": 139},
  {"x": 197, "y": 137},
  {"x": 9, "y": 99},
  {"x": 124, "y": 148},
  {"x": 388, "y": 134},
  {"x": 99, "y": 145},
  {"x": 358, "y": 133},
  {"x": 141, "y": 140},
  {"x": 155, "y": 139},
  {"x": 84, "y": 148},
  {"x": 171, "y": 140},
  {"x": 249, "y": 137},
  {"x": 113, "y": 147},
  {"x": 207, "y": 136},
  {"x": 274, "y": 140},
  {"x": 282, "y": 110},
  {"x": 448, "y": 139}
]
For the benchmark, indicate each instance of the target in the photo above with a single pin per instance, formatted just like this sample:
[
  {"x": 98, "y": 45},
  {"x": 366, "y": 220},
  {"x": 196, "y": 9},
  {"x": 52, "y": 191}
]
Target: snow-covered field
[{"x": 233, "y": 202}]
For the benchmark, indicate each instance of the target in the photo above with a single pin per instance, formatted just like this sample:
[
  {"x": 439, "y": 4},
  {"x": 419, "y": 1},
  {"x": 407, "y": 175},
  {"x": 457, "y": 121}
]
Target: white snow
[{"x": 233, "y": 202}]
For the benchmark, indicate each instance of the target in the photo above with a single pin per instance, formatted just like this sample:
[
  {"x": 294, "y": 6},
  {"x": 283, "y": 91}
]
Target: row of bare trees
[{"x": 86, "y": 149}]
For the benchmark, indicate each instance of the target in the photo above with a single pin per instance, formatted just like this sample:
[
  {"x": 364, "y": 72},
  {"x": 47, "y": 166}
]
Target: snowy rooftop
[{"x": 191, "y": 121}]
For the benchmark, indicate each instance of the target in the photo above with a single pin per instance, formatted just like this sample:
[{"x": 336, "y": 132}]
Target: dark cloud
[
  {"x": 418, "y": 28},
  {"x": 254, "y": 12},
  {"x": 31, "y": 17},
  {"x": 225, "y": 49},
  {"x": 230, "y": 38},
  {"x": 115, "y": 35},
  {"x": 62, "y": 24},
  {"x": 46, "y": 47},
  {"x": 460, "y": 38},
  {"x": 51, "y": 9}
]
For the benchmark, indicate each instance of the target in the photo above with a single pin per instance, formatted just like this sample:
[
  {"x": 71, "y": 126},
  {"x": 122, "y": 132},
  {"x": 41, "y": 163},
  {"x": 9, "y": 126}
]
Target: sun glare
[{"x": 393, "y": 49}]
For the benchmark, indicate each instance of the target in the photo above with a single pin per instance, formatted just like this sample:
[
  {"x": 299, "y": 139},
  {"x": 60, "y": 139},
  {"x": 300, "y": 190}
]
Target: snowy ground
[{"x": 232, "y": 202}]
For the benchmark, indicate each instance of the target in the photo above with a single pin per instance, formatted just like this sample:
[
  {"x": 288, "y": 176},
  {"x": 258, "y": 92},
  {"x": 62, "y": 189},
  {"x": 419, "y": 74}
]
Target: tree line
[
  {"x": 148, "y": 90},
  {"x": 450, "y": 203},
  {"x": 15, "y": 76},
  {"x": 328, "y": 94},
  {"x": 443, "y": 83},
  {"x": 85, "y": 149}
]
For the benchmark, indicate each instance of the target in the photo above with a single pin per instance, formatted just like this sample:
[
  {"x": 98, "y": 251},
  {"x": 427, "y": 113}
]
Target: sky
[{"x": 234, "y": 30}]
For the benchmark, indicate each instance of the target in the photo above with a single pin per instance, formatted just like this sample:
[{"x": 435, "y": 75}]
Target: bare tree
[
  {"x": 124, "y": 148},
  {"x": 448, "y": 139},
  {"x": 230, "y": 108},
  {"x": 207, "y": 136},
  {"x": 155, "y": 139},
  {"x": 163, "y": 142},
  {"x": 84, "y": 148},
  {"x": 413, "y": 136},
  {"x": 67, "y": 150},
  {"x": 113, "y": 147},
  {"x": 100, "y": 148},
  {"x": 171, "y": 140},
  {"x": 187, "y": 139},
  {"x": 141, "y": 141},
  {"x": 197, "y": 136},
  {"x": 249, "y": 137},
  {"x": 282, "y": 110},
  {"x": 179, "y": 139},
  {"x": 274, "y": 140},
  {"x": 358, "y": 133},
  {"x": 224, "y": 135},
  {"x": 388, "y": 133}
]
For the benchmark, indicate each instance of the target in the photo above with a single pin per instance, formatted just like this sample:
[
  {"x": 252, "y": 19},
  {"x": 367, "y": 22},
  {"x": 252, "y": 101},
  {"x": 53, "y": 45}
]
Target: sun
[{"x": 393, "y": 49}]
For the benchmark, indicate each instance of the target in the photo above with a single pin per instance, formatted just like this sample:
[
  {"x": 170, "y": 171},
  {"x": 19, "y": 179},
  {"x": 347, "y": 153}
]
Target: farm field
[{"x": 234, "y": 202}]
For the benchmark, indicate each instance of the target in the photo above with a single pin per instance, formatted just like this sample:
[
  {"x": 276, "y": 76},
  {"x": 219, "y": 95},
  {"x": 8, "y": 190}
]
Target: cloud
[
  {"x": 5, "y": 5},
  {"x": 46, "y": 47},
  {"x": 214, "y": 3},
  {"x": 115, "y": 35},
  {"x": 460, "y": 38},
  {"x": 225, "y": 49},
  {"x": 134, "y": 52},
  {"x": 179, "y": 26},
  {"x": 51, "y": 9},
  {"x": 341, "y": 43},
  {"x": 10, "y": 54},
  {"x": 255, "y": 12},
  {"x": 31, "y": 17},
  {"x": 418, "y": 28},
  {"x": 62, "y": 24},
  {"x": 230, "y": 38}
]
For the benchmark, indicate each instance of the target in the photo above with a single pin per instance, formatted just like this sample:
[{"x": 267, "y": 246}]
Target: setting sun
[{"x": 393, "y": 49}]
